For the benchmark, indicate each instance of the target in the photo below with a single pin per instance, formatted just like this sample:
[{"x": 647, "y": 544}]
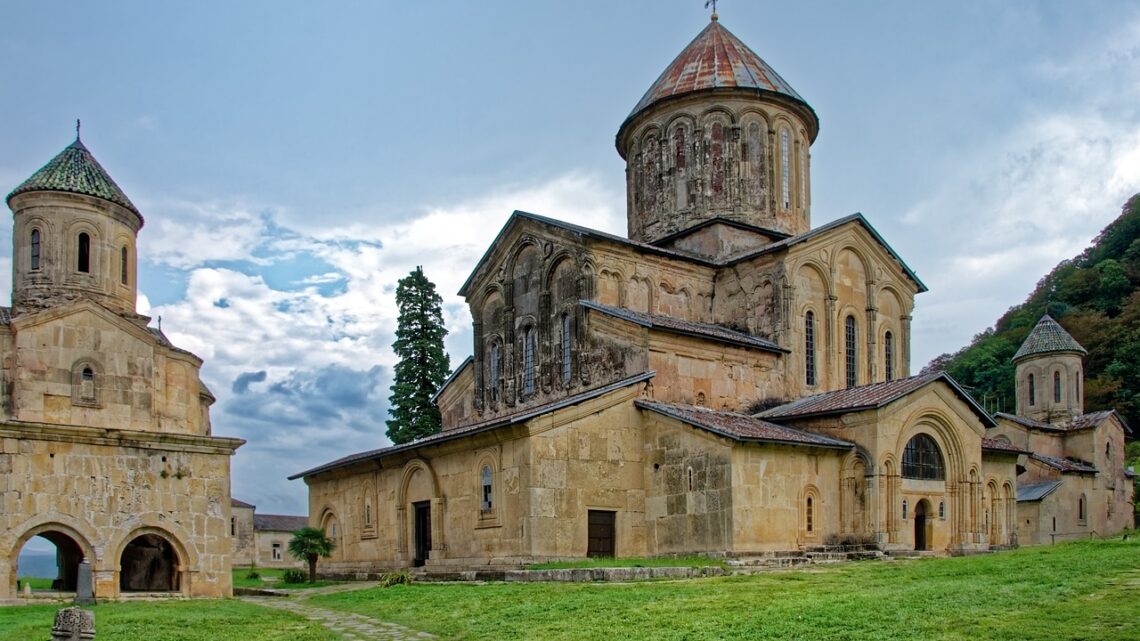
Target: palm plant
[{"x": 308, "y": 544}]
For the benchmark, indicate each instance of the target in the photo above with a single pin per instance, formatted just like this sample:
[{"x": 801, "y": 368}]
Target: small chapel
[
  {"x": 106, "y": 448},
  {"x": 725, "y": 379}
]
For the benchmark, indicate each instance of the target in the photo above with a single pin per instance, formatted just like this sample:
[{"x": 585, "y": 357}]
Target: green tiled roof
[
  {"x": 75, "y": 170},
  {"x": 1048, "y": 336}
]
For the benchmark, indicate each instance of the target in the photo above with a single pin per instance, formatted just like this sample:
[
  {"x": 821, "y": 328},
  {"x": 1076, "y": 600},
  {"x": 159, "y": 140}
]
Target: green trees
[
  {"x": 423, "y": 365},
  {"x": 1096, "y": 297},
  {"x": 308, "y": 544}
]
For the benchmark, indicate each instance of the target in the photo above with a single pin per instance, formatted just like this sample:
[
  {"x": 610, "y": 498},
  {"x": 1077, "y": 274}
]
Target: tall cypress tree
[{"x": 423, "y": 365}]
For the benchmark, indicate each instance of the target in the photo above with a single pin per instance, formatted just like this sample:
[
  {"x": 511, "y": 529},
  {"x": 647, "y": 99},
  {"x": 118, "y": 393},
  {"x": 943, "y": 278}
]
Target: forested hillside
[{"x": 1096, "y": 297}]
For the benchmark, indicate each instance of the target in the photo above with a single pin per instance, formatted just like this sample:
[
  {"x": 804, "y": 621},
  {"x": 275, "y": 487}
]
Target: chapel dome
[
  {"x": 76, "y": 171},
  {"x": 716, "y": 60},
  {"x": 1048, "y": 337}
]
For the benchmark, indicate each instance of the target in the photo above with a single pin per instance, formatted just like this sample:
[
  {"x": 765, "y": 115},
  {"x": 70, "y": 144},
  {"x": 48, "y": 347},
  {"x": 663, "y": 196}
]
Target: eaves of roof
[
  {"x": 451, "y": 377},
  {"x": 686, "y": 328},
  {"x": 476, "y": 428},
  {"x": 741, "y": 427}
]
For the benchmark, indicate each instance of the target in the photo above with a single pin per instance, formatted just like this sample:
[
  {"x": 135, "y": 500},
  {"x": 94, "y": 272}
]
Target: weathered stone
[{"x": 73, "y": 624}]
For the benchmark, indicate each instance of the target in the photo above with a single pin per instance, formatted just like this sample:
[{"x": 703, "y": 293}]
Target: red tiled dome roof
[{"x": 715, "y": 59}]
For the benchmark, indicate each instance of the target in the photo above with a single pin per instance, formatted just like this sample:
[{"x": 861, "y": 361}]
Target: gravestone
[
  {"x": 85, "y": 585},
  {"x": 73, "y": 624}
]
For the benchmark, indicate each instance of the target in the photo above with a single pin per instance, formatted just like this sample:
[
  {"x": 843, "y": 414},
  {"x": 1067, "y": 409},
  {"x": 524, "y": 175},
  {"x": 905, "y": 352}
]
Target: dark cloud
[{"x": 242, "y": 382}]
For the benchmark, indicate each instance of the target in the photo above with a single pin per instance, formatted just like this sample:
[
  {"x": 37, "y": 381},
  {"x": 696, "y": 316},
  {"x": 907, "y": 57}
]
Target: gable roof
[
  {"x": 519, "y": 215},
  {"x": 1047, "y": 337},
  {"x": 476, "y": 428},
  {"x": 856, "y": 218},
  {"x": 1064, "y": 465},
  {"x": 996, "y": 445},
  {"x": 238, "y": 503},
  {"x": 873, "y": 396},
  {"x": 279, "y": 522},
  {"x": 76, "y": 171},
  {"x": 686, "y": 328},
  {"x": 740, "y": 427},
  {"x": 1036, "y": 491},
  {"x": 1083, "y": 422}
]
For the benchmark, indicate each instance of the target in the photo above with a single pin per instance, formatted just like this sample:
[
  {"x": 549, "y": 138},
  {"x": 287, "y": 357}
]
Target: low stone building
[
  {"x": 1074, "y": 483},
  {"x": 726, "y": 380},
  {"x": 106, "y": 447},
  {"x": 262, "y": 540}
]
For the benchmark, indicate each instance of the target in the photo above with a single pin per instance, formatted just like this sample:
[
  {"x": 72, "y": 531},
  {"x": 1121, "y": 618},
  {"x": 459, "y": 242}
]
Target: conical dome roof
[
  {"x": 76, "y": 171},
  {"x": 1047, "y": 337},
  {"x": 716, "y": 59}
]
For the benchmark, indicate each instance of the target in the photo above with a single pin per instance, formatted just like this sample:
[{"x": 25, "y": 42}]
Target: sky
[{"x": 293, "y": 160}]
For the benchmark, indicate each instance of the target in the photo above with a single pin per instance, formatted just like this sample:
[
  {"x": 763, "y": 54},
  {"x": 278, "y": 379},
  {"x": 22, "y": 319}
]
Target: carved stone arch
[
  {"x": 51, "y": 522},
  {"x": 172, "y": 534},
  {"x": 87, "y": 381},
  {"x": 522, "y": 244},
  {"x": 754, "y": 113},
  {"x": 683, "y": 119},
  {"x": 405, "y": 539},
  {"x": 708, "y": 115},
  {"x": 822, "y": 270},
  {"x": 939, "y": 427},
  {"x": 650, "y": 130},
  {"x": 809, "y": 511},
  {"x": 77, "y": 227},
  {"x": 560, "y": 256}
]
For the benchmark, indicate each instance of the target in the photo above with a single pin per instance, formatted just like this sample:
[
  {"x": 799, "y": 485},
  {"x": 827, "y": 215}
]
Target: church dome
[
  {"x": 717, "y": 60},
  {"x": 1048, "y": 337},
  {"x": 76, "y": 171}
]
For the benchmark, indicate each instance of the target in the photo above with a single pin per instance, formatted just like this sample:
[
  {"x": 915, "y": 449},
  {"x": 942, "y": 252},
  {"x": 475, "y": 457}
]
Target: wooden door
[{"x": 600, "y": 533}]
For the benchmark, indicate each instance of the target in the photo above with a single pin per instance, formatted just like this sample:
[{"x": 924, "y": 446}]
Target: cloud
[{"x": 302, "y": 371}]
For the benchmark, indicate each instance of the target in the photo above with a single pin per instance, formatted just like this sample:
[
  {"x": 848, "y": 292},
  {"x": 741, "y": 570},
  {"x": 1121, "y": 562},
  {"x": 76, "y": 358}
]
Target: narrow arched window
[
  {"x": 922, "y": 459},
  {"x": 529, "y": 348},
  {"x": 87, "y": 384},
  {"x": 690, "y": 479},
  {"x": 566, "y": 348},
  {"x": 35, "y": 249},
  {"x": 1056, "y": 387},
  {"x": 809, "y": 514},
  {"x": 123, "y": 260},
  {"x": 368, "y": 514},
  {"x": 849, "y": 326},
  {"x": 942, "y": 510},
  {"x": 1082, "y": 514},
  {"x": 889, "y": 356},
  {"x": 1032, "y": 391},
  {"x": 83, "y": 257},
  {"x": 495, "y": 358},
  {"x": 803, "y": 174},
  {"x": 1077, "y": 389},
  {"x": 904, "y": 514},
  {"x": 785, "y": 169},
  {"x": 488, "y": 501},
  {"x": 809, "y": 348}
]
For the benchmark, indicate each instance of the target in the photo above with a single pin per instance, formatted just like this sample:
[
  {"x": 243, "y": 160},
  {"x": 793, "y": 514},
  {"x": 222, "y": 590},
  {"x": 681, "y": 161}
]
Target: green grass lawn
[
  {"x": 1085, "y": 590},
  {"x": 169, "y": 621},
  {"x": 241, "y": 580},
  {"x": 633, "y": 562},
  {"x": 37, "y": 583}
]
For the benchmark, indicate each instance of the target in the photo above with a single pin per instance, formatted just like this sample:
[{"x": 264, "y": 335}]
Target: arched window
[
  {"x": 785, "y": 169},
  {"x": 35, "y": 249},
  {"x": 889, "y": 356},
  {"x": 1032, "y": 391},
  {"x": 1107, "y": 450},
  {"x": 942, "y": 510},
  {"x": 1056, "y": 387},
  {"x": 922, "y": 459},
  {"x": 530, "y": 341},
  {"x": 495, "y": 359},
  {"x": 904, "y": 510},
  {"x": 1077, "y": 389},
  {"x": 87, "y": 384},
  {"x": 809, "y": 348},
  {"x": 123, "y": 256},
  {"x": 849, "y": 326},
  {"x": 809, "y": 515},
  {"x": 1082, "y": 509},
  {"x": 566, "y": 348},
  {"x": 368, "y": 514},
  {"x": 83, "y": 257},
  {"x": 488, "y": 501},
  {"x": 690, "y": 479}
]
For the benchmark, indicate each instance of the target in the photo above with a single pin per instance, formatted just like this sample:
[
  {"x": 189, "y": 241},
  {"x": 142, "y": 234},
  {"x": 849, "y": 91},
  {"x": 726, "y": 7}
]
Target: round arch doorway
[
  {"x": 61, "y": 566},
  {"x": 922, "y": 525},
  {"x": 149, "y": 563}
]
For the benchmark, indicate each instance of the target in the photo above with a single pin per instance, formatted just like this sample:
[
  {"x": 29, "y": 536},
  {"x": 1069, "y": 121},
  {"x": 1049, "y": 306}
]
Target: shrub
[
  {"x": 388, "y": 579},
  {"x": 253, "y": 574},
  {"x": 293, "y": 575}
]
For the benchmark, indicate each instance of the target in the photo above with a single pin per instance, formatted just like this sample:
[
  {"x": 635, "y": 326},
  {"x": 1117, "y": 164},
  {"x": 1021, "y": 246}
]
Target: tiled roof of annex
[
  {"x": 740, "y": 427},
  {"x": 1036, "y": 491},
  {"x": 681, "y": 326},
  {"x": 279, "y": 522},
  {"x": 1082, "y": 422},
  {"x": 1064, "y": 465}
]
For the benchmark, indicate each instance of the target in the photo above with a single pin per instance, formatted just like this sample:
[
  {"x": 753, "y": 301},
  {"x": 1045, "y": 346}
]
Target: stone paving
[{"x": 351, "y": 627}]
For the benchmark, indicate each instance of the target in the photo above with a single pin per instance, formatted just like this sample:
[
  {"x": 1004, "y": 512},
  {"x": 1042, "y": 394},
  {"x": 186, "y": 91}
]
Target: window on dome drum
[
  {"x": 1077, "y": 389},
  {"x": 487, "y": 503},
  {"x": 35, "y": 249},
  {"x": 809, "y": 348},
  {"x": 785, "y": 171},
  {"x": 529, "y": 348},
  {"x": 923, "y": 460},
  {"x": 889, "y": 356},
  {"x": 849, "y": 324},
  {"x": 123, "y": 265},
  {"x": 1056, "y": 387},
  {"x": 495, "y": 358},
  {"x": 1032, "y": 391},
  {"x": 83, "y": 262},
  {"x": 566, "y": 348}
]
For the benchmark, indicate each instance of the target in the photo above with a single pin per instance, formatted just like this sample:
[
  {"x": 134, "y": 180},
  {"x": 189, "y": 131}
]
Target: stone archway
[
  {"x": 151, "y": 562},
  {"x": 922, "y": 525},
  {"x": 72, "y": 547},
  {"x": 419, "y": 514}
]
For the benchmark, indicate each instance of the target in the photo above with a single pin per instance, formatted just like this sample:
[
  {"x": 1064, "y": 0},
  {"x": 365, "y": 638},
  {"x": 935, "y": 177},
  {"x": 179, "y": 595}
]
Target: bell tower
[{"x": 74, "y": 236}]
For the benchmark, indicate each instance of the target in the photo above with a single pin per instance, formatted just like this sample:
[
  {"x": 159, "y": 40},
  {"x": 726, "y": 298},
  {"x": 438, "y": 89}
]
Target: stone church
[
  {"x": 724, "y": 380},
  {"x": 105, "y": 441}
]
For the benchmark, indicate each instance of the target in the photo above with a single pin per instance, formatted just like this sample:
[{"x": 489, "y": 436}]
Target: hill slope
[{"x": 1096, "y": 297}]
